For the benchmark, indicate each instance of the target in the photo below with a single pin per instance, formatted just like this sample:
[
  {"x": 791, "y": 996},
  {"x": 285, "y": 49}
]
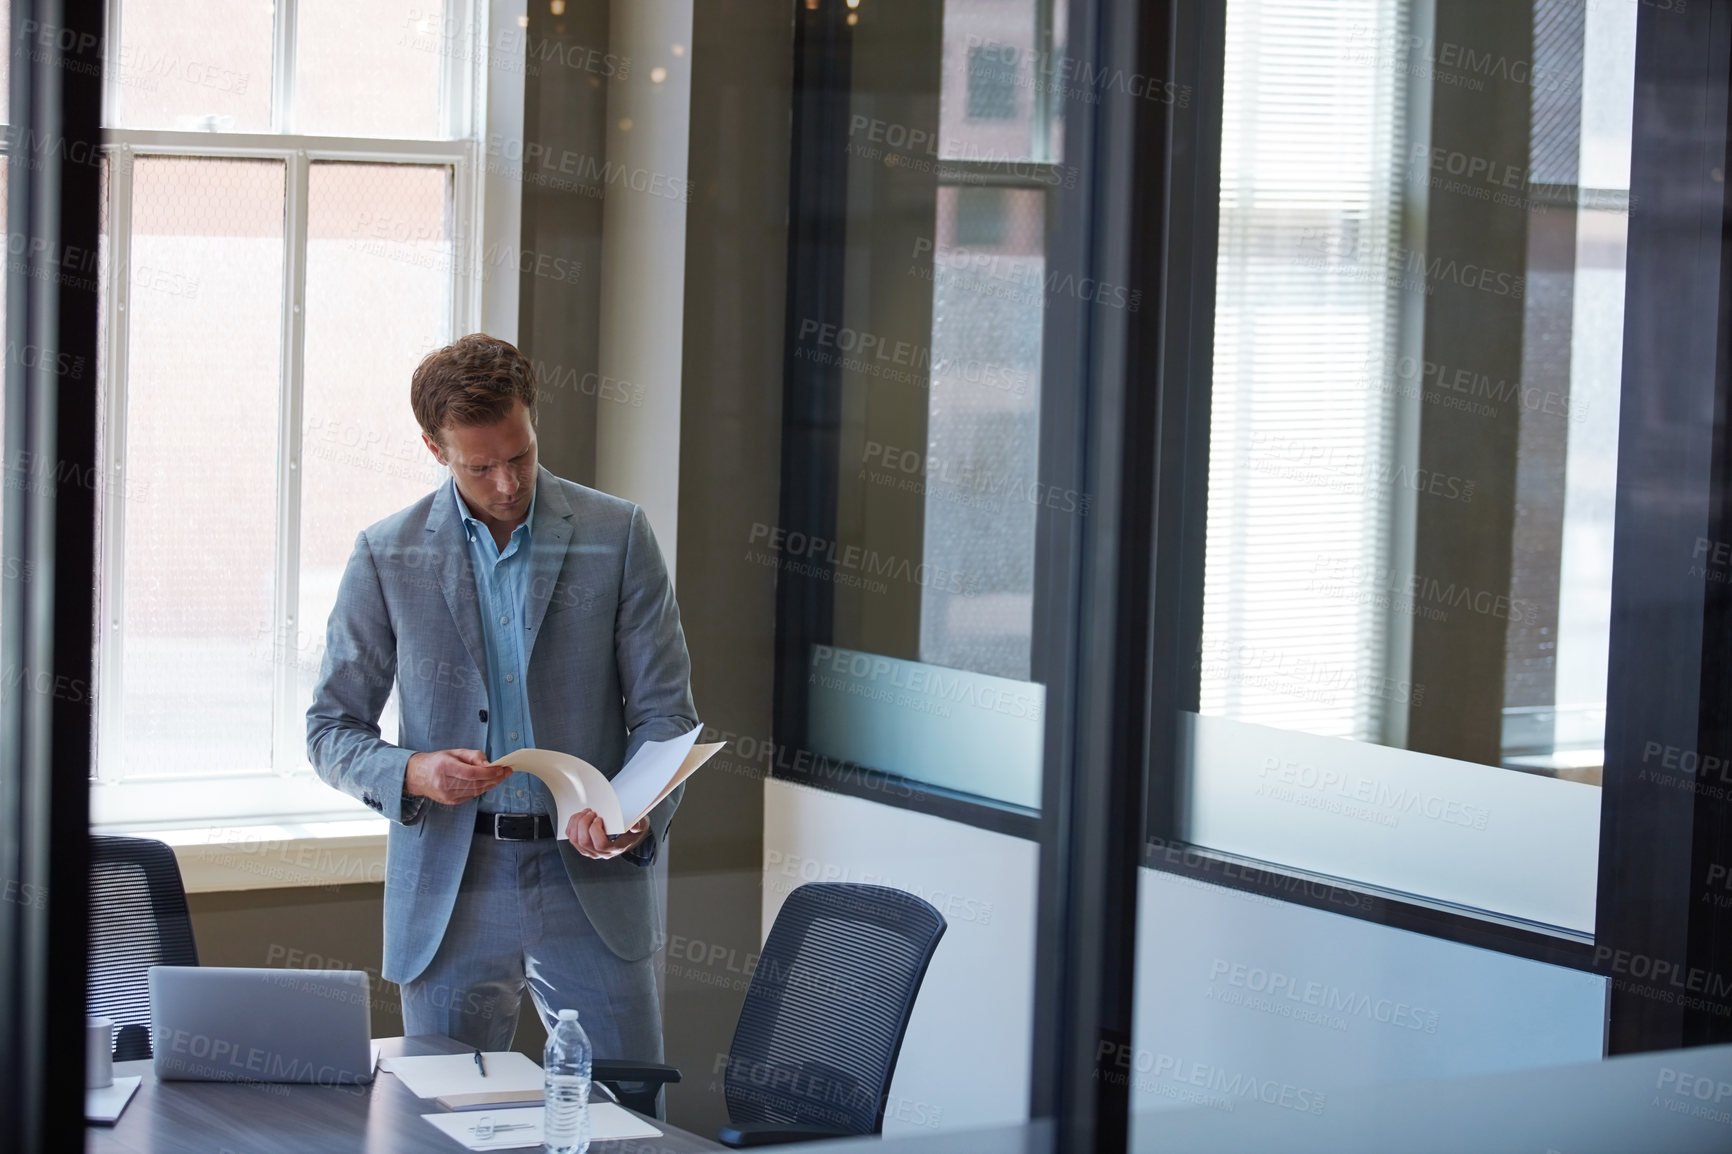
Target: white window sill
[{"x": 216, "y": 859}]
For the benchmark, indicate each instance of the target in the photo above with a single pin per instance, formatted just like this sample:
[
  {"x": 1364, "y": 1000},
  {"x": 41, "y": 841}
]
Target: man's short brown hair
[{"x": 471, "y": 381}]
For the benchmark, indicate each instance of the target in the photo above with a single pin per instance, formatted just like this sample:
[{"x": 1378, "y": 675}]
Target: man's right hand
[{"x": 451, "y": 776}]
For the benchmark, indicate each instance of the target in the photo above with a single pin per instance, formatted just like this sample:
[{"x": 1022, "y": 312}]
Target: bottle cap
[{"x": 568, "y": 1015}]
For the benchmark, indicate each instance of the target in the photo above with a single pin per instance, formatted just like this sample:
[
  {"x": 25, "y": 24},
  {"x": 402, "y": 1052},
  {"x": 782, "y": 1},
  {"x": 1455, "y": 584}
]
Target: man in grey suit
[{"x": 510, "y": 608}]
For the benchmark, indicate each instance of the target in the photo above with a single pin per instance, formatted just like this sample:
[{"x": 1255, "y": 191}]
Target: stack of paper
[
  {"x": 457, "y": 1082},
  {"x": 517, "y": 1129}
]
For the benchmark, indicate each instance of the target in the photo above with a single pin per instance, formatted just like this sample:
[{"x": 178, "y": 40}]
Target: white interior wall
[
  {"x": 965, "y": 1059},
  {"x": 1356, "y": 1003}
]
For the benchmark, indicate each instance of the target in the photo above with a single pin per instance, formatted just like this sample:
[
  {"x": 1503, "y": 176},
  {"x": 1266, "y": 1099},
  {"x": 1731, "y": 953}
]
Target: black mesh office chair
[
  {"x": 138, "y": 919},
  {"x": 818, "y": 1037}
]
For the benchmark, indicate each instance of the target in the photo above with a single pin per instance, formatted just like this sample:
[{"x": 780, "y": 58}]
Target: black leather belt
[{"x": 514, "y": 826}]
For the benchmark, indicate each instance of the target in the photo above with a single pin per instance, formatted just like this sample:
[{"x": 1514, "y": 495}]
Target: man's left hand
[{"x": 588, "y": 835}]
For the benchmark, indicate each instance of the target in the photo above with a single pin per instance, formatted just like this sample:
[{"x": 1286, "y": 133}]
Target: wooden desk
[{"x": 232, "y": 1118}]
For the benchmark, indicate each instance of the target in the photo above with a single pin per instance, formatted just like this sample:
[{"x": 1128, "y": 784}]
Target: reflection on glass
[
  {"x": 982, "y": 490},
  {"x": 1302, "y": 433},
  {"x": 1003, "y": 74},
  {"x": 922, "y": 664},
  {"x": 379, "y": 255},
  {"x": 199, "y": 65},
  {"x": 205, "y": 287},
  {"x": 5, "y": 64},
  {"x": 1416, "y": 373},
  {"x": 376, "y": 69}
]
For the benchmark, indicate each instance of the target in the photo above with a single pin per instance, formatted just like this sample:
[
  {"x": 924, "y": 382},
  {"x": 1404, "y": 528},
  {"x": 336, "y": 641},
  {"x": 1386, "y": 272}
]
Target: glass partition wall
[
  {"x": 1412, "y": 448},
  {"x": 1220, "y": 500},
  {"x": 1397, "y": 768}
]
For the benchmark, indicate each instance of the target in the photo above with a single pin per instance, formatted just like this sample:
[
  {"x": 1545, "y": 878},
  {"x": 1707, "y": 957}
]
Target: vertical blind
[{"x": 1303, "y": 480}]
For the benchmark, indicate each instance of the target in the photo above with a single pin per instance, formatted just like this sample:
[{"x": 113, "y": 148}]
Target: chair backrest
[
  {"x": 828, "y": 1005},
  {"x": 138, "y": 919}
]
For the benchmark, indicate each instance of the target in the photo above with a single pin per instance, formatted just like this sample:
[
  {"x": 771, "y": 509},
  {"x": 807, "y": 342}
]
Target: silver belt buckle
[{"x": 497, "y": 836}]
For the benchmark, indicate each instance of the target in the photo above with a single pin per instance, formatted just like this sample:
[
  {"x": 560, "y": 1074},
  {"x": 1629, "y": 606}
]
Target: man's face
[{"x": 494, "y": 465}]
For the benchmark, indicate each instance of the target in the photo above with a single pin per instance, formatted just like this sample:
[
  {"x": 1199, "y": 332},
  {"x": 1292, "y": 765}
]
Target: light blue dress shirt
[{"x": 501, "y": 587}]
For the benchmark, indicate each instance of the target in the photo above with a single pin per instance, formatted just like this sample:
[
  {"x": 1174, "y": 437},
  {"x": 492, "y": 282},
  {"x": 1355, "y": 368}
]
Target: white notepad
[
  {"x": 105, "y": 1103},
  {"x": 519, "y": 1129},
  {"x": 448, "y": 1075}
]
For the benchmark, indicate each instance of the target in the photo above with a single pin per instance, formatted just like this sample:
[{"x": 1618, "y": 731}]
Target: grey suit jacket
[{"x": 607, "y": 671}]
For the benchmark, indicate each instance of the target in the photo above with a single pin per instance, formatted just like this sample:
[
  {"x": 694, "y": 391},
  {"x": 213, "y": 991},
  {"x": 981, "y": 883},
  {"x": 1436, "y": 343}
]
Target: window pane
[
  {"x": 1002, "y": 80},
  {"x": 1414, "y": 423},
  {"x": 982, "y": 490},
  {"x": 921, "y": 666},
  {"x": 373, "y": 69},
  {"x": 200, "y": 65},
  {"x": 6, "y": 64},
  {"x": 378, "y": 300},
  {"x": 205, "y": 289}
]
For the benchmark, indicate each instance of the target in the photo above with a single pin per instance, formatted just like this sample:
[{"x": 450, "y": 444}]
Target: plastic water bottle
[{"x": 566, "y": 1064}]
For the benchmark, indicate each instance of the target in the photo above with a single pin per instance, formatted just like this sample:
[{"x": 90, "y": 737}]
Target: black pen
[{"x": 479, "y": 1064}]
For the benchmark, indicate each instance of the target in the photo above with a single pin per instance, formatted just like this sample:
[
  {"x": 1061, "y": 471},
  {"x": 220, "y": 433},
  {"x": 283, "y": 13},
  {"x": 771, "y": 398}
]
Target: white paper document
[
  {"x": 647, "y": 774},
  {"x": 105, "y": 1103},
  {"x": 652, "y": 773},
  {"x": 520, "y": 1129},
  {"x": 445, "y": 1075}
]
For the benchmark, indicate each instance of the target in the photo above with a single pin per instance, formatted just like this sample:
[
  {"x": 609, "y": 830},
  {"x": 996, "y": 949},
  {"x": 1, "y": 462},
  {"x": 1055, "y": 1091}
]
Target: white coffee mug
[{"x": 98, "y": 1053}]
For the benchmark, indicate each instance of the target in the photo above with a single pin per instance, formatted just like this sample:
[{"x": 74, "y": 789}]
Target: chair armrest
[
  {"x": 613, "y": 1070},
  {"x": 778, "y": 1133}
]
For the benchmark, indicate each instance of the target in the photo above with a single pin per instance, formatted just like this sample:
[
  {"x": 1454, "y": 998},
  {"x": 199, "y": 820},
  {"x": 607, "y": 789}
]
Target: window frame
[
  {"x": 815, "y": 461},
  {"x": 1177, "y": 585},
  {"x": 1667, "y": 678},
  {"x": 286, "y": 790}
]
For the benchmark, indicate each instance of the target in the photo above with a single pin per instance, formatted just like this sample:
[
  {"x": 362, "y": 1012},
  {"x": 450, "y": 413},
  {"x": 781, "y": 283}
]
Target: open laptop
[{"x": 215, "y": 1024}]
